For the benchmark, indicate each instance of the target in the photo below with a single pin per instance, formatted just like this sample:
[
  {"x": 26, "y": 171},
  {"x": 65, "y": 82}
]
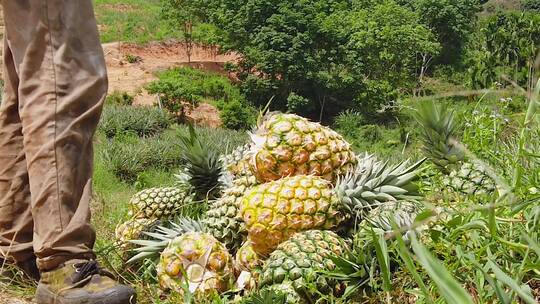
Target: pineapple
[
  {"x": 402, "y": 214},
  {"x": 438, "y": 133},
  {"x": 222, "y": 218},
  {"x": 131, "y": 230},
  {"x": 246, "y": 259},
  {"x": 287, "y": 145},
  {"x": 298, "y": 261},
  {"x": 469, "y": 179},
  {"x": 161, "y": 236},
  {"x": 233, "y": 161},
  {"x": 246, "y": 265},
  {"x": 197, "y": 262},
  {"x": 199, "y": 179},
  {"x": 276, "y": 210},
  {"x": 158, "y": 203}
]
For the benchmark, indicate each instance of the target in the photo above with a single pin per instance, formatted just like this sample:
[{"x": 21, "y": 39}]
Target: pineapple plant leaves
[
  {"x": 266, "y": 296},
  {"x": 202, "y": 169}
]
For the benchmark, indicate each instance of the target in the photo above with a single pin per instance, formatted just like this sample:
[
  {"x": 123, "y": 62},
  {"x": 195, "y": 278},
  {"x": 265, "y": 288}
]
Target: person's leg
[
  {"x": 62, "y": 84},
  {"x": 16, "y": 224}
]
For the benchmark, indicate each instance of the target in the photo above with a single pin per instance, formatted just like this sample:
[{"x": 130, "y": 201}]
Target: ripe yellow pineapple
[
  {"x": 205, "y": 263},
  {"x": 276, "y": 210},
  {"x": 287, "y": 145},
  {"x": 247, "y": 264},
  {"x": 131, "y": 230}
]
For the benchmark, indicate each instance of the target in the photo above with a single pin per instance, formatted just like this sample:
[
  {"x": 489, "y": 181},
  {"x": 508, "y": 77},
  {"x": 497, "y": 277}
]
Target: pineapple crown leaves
[
  {"x": 202, "y": 166},
  {"x": 375, "y": 183},
  {"x": 438, "y": 129},
  {"x": 162, "y": 236}
]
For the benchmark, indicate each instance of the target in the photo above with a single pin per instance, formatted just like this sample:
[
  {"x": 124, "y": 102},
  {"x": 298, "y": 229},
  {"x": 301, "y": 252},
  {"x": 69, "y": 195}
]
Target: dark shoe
[
  {"x": 21, "y": 270},
  {"x": 82, "y": 282}
]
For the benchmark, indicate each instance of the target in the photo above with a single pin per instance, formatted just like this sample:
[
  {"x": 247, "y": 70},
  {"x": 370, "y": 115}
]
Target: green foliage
[
  {"x": 119, "y": 98},
  {"x": 451, "y": 20},
  {"x": 506, "y": 44},
  {"x": 128, "y": 156},
  {"x": 185, "y": 86},
  {"x": 135, "y": 21},
  {"x": 237, "y": 115},
  {"x": 530, "y": 5},
  {"x": 318, "y": 57},
  {"x": 141, "y": 121},
  {"x": 348, "y": 122}
]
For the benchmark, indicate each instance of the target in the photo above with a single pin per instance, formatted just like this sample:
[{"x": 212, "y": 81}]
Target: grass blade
[
  {"x": 524, "y": 294},
  {"x": 450, "y": 289}
]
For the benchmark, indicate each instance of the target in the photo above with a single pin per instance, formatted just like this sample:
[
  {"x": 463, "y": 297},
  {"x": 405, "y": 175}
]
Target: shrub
[
  {"x": 348, "y": 122},
  {"x": 181, "y": 86},
  {"x": 142, "y": 121},
  {"x": 119, "y": 98},
  {"x": 370, "y": 133},
  {"x": 237, "y": 115}
]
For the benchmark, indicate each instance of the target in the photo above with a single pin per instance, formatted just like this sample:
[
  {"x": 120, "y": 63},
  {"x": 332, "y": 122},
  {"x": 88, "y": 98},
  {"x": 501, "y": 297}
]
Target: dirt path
[{"x": 152, "y": 58}]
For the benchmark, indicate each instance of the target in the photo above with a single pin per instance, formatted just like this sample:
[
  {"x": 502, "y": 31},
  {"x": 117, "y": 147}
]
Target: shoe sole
[{"x": 123, "y": 296}]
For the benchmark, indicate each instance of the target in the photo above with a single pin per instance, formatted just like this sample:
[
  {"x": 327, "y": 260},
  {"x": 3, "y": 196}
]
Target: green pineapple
[
  {"x": 159, "y": 203},
  {"x": 439, "y": 133},
  {"x": 199, "y": 179},
  {"x": 222, "y": 218},
  {"x": 299, "y": 260}
]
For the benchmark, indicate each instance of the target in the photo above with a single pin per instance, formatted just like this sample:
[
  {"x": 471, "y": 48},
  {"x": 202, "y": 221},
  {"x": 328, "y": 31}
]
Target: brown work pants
[{"x": 55, "y": 83}]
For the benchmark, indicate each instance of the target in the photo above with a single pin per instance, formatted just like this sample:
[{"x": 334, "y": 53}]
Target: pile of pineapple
[{"x": 279, "y": 210}]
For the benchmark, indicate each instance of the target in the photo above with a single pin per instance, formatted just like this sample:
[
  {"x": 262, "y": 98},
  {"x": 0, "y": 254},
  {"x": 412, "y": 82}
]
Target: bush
[
  {"x": 181, "y": 86},
  {"x": 348, "y": 122},
  {"x": 142, "y": 121},
  {"x": 127, "y": 156},
  {"x": 237, "y": 115},
  {"x": 370, "y": 133},
  {"x": 119, "y": 98}
]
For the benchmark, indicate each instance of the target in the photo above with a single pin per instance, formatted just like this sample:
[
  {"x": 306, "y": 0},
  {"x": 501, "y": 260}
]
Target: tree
[
  {"x": 319, "y": 57},
  {"x": 451, "y": 20},
  {"x": 507, "y": 43}
]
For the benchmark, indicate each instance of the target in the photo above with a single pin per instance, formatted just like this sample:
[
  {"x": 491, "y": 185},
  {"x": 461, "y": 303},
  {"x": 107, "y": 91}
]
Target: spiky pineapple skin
[
  {"x": 300, "y": 258},
  {"x": 222, "y": 218},
  {"x": 276, "y": 210},
  {"x": 158, "y": 203},
  {"x": 205, "y": 261},
  {"x": 131, "y": 229},
  {"x": 469, "y": 179},
  {"x": 288, "y": 145},
  {"x": 232, "y": 161},
  {"x": 246, "y": 259}
]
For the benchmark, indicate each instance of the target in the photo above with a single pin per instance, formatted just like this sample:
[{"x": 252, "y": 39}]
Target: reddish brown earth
[{"x": 158, "y": 56}]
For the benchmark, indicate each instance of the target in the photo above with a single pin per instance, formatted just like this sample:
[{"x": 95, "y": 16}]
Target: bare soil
[
  {"x": 152, "y": 58},
  {"x": 158, "y": 56}
]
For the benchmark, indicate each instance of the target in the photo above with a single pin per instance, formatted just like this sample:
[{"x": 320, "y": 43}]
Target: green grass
[{"x": 136, "y": 21}]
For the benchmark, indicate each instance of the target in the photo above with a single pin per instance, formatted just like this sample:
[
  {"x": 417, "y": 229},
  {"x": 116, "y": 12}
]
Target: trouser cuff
[{"x": 53, "y": 262}]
